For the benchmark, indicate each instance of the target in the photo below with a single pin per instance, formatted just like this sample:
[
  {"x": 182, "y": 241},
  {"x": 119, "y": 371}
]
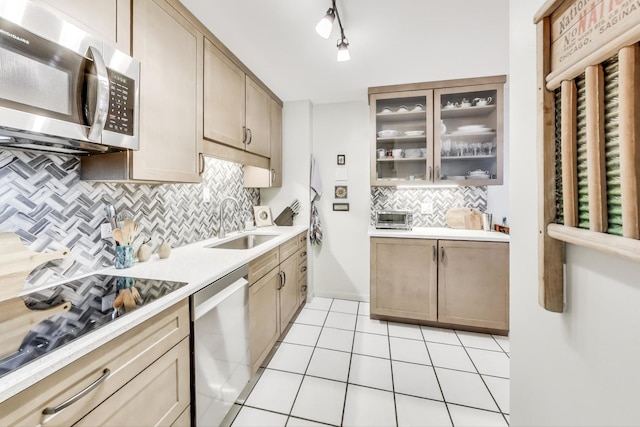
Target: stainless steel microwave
[
  {"x": 401, "y": 220},
  {"x": 61, "y": 89}
]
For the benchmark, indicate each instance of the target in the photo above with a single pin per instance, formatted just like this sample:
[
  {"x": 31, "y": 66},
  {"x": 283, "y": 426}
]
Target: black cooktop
[{"x": 68, "y": 311}]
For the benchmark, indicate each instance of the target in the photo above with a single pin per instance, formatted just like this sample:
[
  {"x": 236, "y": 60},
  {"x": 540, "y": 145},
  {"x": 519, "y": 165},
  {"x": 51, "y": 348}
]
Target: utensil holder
[
  {"x": 124, "y": 256},
  {"x": 285, "y": 217},
  {"x": 486, "y": 221}
]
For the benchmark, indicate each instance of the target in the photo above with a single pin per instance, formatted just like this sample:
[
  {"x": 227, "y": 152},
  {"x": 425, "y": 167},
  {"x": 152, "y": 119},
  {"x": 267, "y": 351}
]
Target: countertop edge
[
  {"x": 440, "y": 233},
  {"x": 26, "y": 376}
]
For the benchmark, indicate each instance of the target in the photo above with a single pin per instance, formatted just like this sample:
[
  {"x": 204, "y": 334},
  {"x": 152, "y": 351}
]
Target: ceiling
[{"x": 391, "y": 42}]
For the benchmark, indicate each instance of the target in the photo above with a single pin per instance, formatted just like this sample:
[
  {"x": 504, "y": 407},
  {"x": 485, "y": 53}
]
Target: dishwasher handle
[{"x": 209, "y": 297}]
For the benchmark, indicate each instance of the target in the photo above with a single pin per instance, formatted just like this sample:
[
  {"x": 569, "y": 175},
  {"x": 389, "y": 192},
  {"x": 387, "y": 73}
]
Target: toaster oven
[{"x": 400, "y": 220}]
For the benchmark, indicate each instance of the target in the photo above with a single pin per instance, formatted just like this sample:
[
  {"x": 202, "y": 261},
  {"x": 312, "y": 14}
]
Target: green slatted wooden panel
[
  {"x": 583, "y": 188},
  {"x": 612, "y": 146},
  {"x": 558, "y": 135}
]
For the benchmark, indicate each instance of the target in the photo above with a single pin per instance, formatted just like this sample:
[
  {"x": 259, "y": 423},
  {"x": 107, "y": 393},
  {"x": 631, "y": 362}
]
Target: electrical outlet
[
  {"x": 105, "y": 231},
  {"x": 426, "y": 208},
  {"x": 206, "y": 195}
]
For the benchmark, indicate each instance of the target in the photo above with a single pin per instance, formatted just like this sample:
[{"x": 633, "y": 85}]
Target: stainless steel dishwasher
[{"x": 220, "y": 346}]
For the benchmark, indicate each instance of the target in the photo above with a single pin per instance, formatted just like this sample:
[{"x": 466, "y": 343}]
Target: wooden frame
[
  {"x": 569, "y": 44},
  {"x": 341, "y": 207}
]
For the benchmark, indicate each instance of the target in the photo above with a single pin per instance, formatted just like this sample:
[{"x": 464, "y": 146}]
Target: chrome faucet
[{"x": 221, "y": 231}]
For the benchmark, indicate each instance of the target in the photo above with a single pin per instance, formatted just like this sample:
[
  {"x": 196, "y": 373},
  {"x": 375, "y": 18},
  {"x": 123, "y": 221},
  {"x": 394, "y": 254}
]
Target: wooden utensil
[
  {"x": 118, "y": 236},
  {"x": 17, "y": 320},
  {"x": 17, "y": 261}
]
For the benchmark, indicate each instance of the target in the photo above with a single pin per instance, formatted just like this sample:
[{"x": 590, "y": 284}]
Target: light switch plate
[
  {"x": 206, "y": 195},
  {"x": 105, "y": 231},
  {"x": 426, "y": 208}
]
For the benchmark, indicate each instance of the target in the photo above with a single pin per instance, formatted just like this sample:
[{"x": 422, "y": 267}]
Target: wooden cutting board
[
  {"x": 465, "y": 218},
  {"x": 17, "y": 320},
  {"x": 17, "y": 261}
]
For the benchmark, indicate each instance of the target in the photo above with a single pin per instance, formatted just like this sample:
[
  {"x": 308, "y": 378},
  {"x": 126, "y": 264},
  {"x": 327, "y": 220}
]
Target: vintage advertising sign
[{"x": 581, "y": 26}]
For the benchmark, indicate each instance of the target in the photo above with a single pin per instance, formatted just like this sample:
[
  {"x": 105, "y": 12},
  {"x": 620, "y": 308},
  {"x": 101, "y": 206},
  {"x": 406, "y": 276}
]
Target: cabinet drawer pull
[
  {"x": 430, "y": 173},
  {"x": 80, "y": 395},
  {"x": 273, "y": 175},
  {"x": 281, "y": 284},
  {"x": 303, "y": 269},
  {"x": 442, "y": 253},
  {"x": 435, "y": 253},
  {"x": 303, "y": 288},
  {"x": 303, "y": 254},
  {"x": 244, "y": 134},
  {"x": 438, "y": 173},
  {"x": 284, "y": 279},
  {"x": 250, "y": 136}
]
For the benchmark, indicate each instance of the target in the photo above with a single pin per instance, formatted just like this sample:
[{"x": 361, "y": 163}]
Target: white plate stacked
[
  {"x": 413, "y": 153},
  {"x": 473, "y": 129},
  {"x": 389, "y": 133}
]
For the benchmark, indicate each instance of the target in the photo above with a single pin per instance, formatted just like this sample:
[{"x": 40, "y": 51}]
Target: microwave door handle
[{"x": 102, "y": 96}]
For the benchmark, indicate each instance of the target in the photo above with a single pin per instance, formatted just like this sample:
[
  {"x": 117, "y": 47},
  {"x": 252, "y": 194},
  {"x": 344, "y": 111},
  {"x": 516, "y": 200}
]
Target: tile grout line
[
  {"x": 482, "y": 379},
  {"x": 393, "y": 384},
  {"x": 308, "y": 363},
  {"x": 435, "y": 374},
  {"x": 346, "y": 389}
]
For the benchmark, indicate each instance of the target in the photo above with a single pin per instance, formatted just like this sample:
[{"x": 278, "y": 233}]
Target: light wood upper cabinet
[
  {"x": 275, "y": 160},
  {"x": 473, "y": 280},
  {"x": 446, "y": 132},
  {"x": 224, "y": 98},
  {"x": 110, "y": 20},
  {"x": 258, "y": 119},
  {"x": 404, "y": 278},
  {"x": 170, "y": 50}
]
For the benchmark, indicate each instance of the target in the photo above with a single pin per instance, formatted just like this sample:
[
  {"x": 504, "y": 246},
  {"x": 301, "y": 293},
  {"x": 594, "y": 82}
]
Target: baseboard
[{"x": 342, "y": 295}]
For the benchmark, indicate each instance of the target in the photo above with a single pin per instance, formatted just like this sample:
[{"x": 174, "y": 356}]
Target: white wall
[
  {"x": 296, "y": 154},
  {"x": 579, "y": 367},
  {"x": 341, "y": 264}
]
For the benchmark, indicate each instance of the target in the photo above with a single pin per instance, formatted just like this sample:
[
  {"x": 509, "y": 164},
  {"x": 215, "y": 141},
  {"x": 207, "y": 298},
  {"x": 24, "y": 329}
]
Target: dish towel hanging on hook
[{"x": 315, "y": 190}]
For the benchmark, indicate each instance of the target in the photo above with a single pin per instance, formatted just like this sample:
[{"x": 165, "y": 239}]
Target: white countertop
[
  {"x": 441, "y": 233},
  {"x": 193, "y": 263}
]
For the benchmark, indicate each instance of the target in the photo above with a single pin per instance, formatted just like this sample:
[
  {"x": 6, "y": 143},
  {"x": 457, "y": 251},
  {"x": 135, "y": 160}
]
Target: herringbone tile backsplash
[
  {"x": 442, "y": 198},
  {"x": 43, "y": 200}
]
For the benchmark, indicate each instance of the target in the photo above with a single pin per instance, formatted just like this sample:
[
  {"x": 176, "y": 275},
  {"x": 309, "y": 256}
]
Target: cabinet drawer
[
  {"x": 263, "y": 264},
  {"x": 302, "y": 286},
  {"x": 302, "y": 240},
  {"x": 263, "y": 317},
  {"x": 125, "y": 356},
  {"x": 288, "y": 248},
  {"x": 157, "y": 396},
  {"x": 302, "y": 256},
  {"x": 184, "y": 420}
]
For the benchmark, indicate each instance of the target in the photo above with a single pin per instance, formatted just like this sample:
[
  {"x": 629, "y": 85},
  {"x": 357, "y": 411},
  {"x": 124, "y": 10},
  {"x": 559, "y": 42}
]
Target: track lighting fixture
[{"x": 324, "y": 30}]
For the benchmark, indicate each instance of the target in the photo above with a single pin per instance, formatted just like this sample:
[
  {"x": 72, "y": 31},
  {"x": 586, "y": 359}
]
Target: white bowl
[
  {"x": 414, "y": 132},
  {"x": 388, "y": 133}
]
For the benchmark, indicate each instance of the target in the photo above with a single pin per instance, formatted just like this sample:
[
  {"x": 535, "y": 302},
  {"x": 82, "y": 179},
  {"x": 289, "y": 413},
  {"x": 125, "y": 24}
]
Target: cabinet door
[
  {"x": 289, "y": 293},
  {"x": 469, "y": 134},
  {"x": 403, "y": 278},
  {"x": 263, "y": 317},
  {"x": 276, "y": 144},
  {"x": 224, "y": 98},
  {"x": 157, "y": 396},
  {"x": 401, "y": 151},
  {"x": 258, "y": 119},
  {"x": 170, "y": 50},
  {"x": 473, "y": 284},
  {"x": 110, "y": 20}
]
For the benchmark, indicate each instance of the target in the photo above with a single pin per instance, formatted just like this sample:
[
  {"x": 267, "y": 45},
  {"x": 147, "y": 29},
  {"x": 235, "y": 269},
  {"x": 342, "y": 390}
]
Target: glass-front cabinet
[
  {"x": 438, "y": 133},
  {"x": 403, "y": 136}
]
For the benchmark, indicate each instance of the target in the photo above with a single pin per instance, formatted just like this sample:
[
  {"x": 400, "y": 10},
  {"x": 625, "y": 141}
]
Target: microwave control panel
[{"x": 121, "y": 103}]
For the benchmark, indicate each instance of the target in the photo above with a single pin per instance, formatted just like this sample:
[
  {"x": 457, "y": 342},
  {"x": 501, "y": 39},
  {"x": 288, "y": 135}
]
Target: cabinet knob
[{"x": 303, "y": 269}]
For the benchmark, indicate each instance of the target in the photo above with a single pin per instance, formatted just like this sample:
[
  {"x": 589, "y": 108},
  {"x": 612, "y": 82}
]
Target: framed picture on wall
[
  {"x": 341, "y": 192},
  {"x": 341, "y": 159},
  {"x": 341, "y": 207}
]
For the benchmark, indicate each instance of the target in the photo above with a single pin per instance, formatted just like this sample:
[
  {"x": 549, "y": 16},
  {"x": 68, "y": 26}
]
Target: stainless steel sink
[{"x": 245, "y": 241}]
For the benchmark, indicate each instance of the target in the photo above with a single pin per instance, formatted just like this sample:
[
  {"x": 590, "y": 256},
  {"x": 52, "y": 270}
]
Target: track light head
[
  {"x": 343, "y": 50},
  {"x": 326, "y": 24}
]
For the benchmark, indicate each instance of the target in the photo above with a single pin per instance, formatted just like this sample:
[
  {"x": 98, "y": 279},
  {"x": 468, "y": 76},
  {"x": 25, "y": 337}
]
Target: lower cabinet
[
  {"x": 302, "y": 267},
  {"x": 274, "y": 297},
  {"x": 143, "y": 378},
  {"x": 451, "y": 282}
]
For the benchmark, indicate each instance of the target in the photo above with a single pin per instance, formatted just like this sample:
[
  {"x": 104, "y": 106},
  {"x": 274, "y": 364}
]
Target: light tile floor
[{"x": 336, "y": 366}]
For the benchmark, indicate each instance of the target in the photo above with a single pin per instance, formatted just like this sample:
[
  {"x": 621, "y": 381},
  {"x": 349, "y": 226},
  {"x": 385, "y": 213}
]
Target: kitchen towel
[
  {"x": 316, "y": 182},
  {"x": 315, "y": 228}
]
